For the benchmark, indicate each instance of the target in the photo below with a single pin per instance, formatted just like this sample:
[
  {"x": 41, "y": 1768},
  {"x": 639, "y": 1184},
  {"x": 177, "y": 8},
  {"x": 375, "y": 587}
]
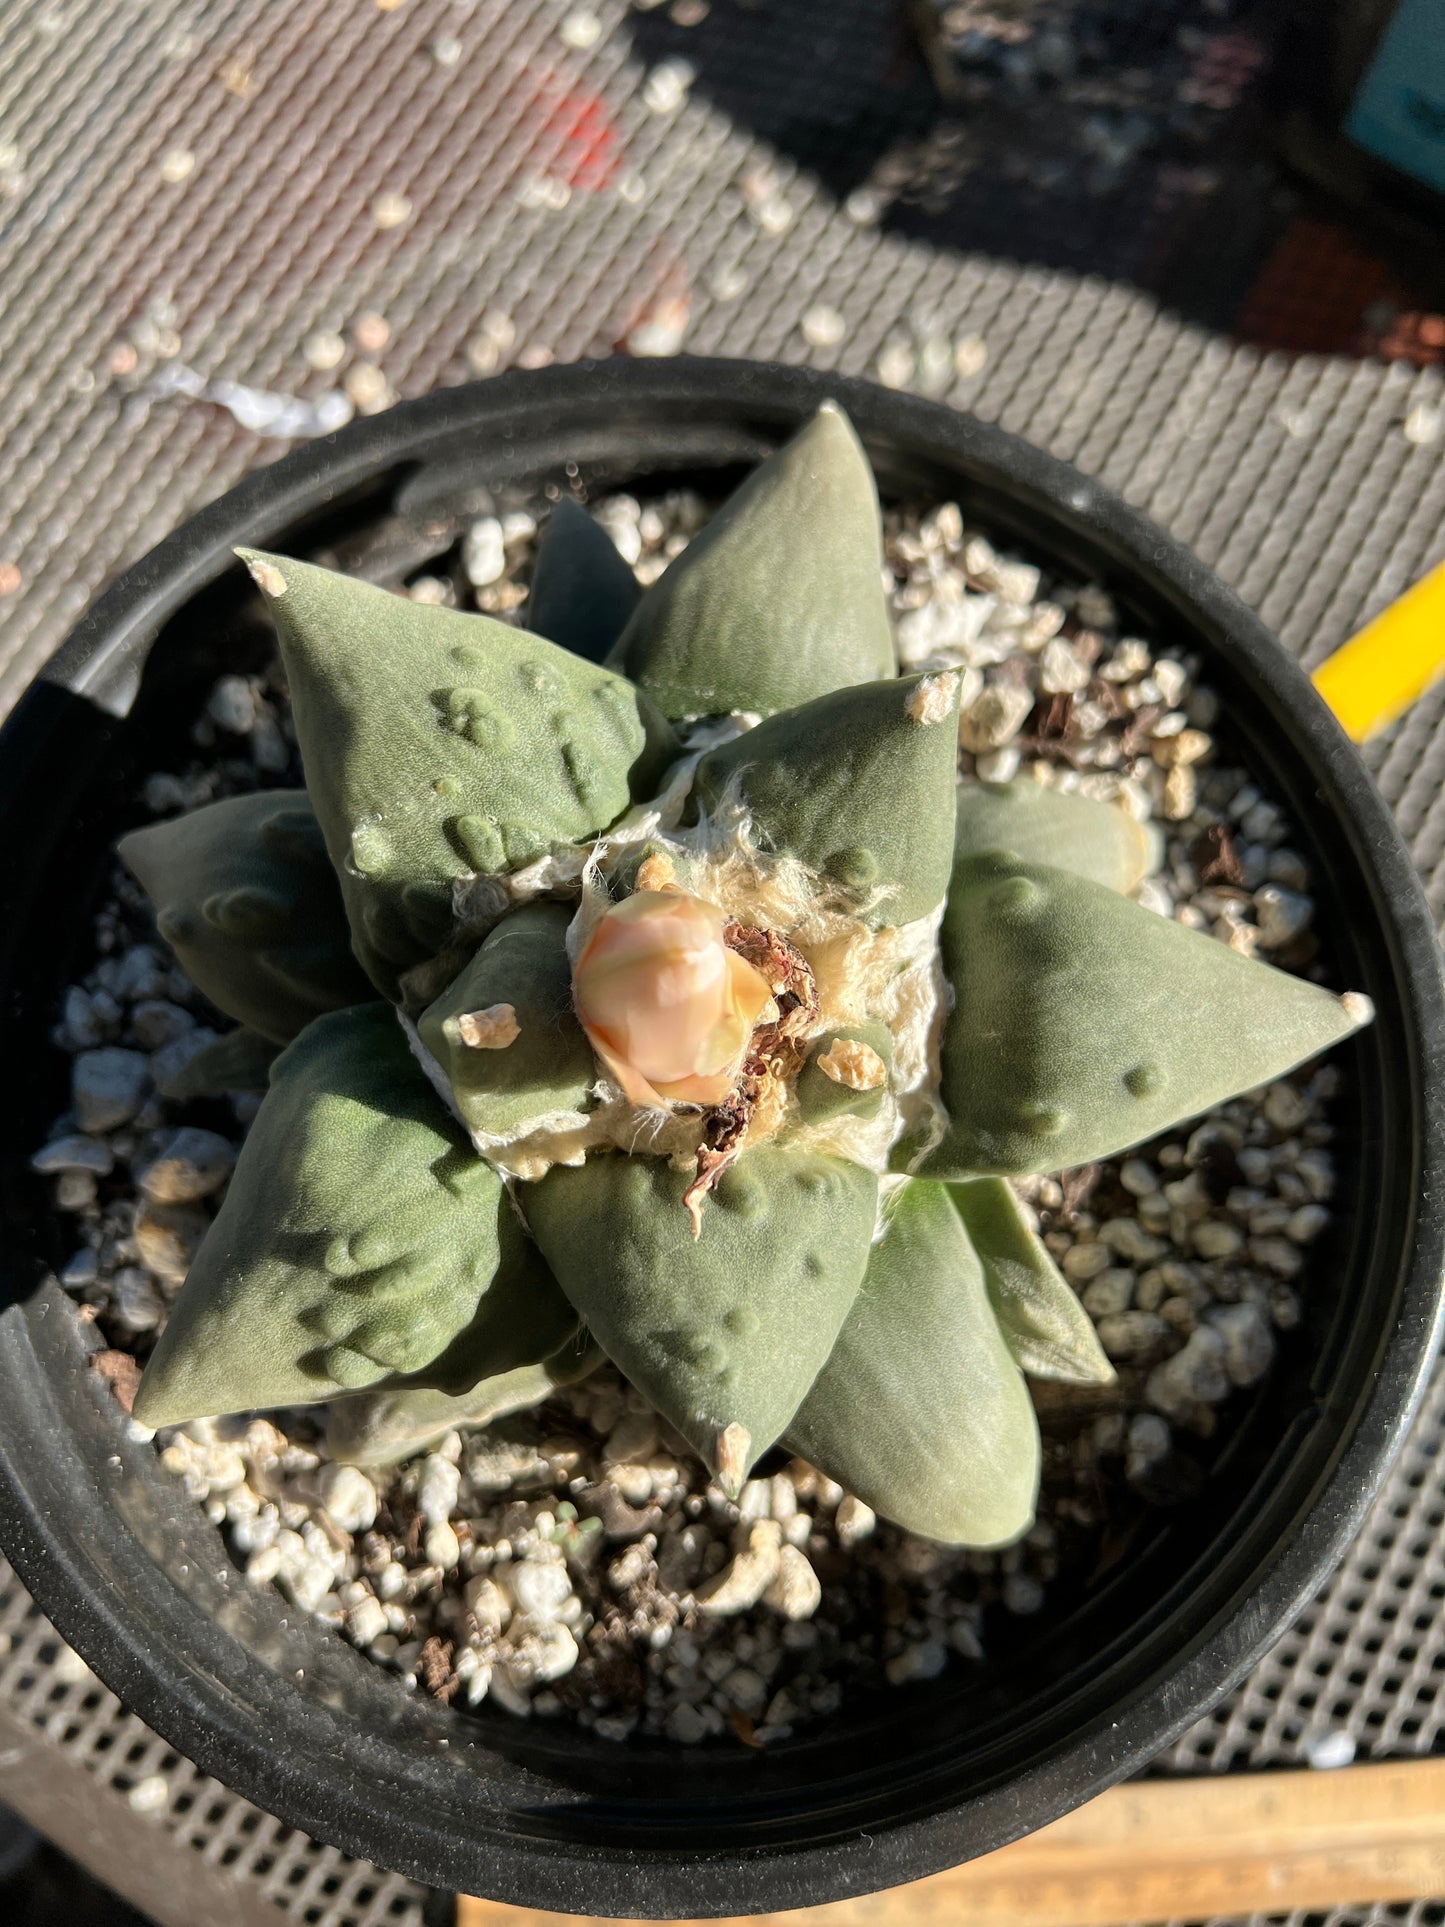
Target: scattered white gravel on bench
[{"x": 577, "y": 1562}]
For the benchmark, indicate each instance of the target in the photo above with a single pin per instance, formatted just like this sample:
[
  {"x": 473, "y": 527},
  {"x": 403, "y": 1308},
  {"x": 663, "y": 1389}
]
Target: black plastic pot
[{"x": 894, "y": 1787}]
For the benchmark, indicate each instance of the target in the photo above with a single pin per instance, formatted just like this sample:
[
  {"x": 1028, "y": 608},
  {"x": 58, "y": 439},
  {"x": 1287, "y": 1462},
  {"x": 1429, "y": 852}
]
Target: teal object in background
[{"x": 1398, "y": 112}]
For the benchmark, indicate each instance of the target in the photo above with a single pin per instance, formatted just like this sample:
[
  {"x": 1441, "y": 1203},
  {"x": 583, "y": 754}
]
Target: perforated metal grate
[
  {"x": 276, "y": 1872},
  {"x": 207, "y": 181}
]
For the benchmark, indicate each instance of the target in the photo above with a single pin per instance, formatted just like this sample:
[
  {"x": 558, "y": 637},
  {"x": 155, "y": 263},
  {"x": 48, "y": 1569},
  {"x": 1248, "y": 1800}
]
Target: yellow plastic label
[{"x": 1377, "y": 674}]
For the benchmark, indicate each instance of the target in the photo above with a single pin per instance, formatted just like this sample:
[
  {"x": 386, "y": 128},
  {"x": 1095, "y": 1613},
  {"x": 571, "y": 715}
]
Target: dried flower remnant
[{"x": 668, "y": 1007}]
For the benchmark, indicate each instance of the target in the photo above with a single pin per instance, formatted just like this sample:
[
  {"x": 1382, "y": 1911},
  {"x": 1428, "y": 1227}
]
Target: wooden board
[{"x": 1160, "y": 1850}]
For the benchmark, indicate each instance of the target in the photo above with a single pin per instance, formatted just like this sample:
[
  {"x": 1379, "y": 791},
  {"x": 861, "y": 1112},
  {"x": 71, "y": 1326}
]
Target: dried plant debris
[{"x": 576, "y": 1561}]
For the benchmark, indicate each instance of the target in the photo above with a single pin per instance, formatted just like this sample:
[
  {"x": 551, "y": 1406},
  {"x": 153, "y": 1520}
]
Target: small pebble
[
  {"x": 995, "y": 717},
  {"x": 187, "y": 1164},
  {"x": 1195, "y": 1376},
  {"x": 897, "y": 363},
  {"x": 1149, "y": 1443},
  {"x": 390, "y": 211},
  {"x": 795, "y": 1592},
  {"x": 746, "y": 1578},
  {"x": 1281, "y": 915},
  {"x": 371, "y": 332},
  {"x": 81, "y": 1270},
  {"x": 1022, "y": 1593},
  {"x": 1110, "y": 1293},
  {"x": 75, "y": 1154},
  {"x": 368, "y": 388},
  {"x": 138, "y": 1305},
  {"x": 155, "y": 1023},
  {"x": 1060, "y": 670},
  {"x": 1248, "y": 1341},
  {"x": 823, "y": 327},
  {"x": 167, "y": 1237},
  {"x": 1179, "y": 793},
  {"x": 171, "y": 1059},
  {"x": 540, "y": 1589},
  {"x": 437, "y": 1489},
  {"x": 686, "y": 1725},
  {"x": 926, "y": 1660},
  {"x": 1082, "y": 1262},
  {"x": 580, "y": 29},
  {"x": 1306, "y": 1223},
  {"x": 853, "y": 1521},
  {"x": 442, "y": 1546},
  {"x": 150, "y": 1795},
  {"x": 1216, "y": 1238},
  {"x": 1331, "y": 1750},
  {"x": 366, "y": 1620},
  {"x": 488, "y": 1604},
  {"x": 728, "y": 283},
  {"x": 666, "y": 87},
  {"x": 232, "y": 705},
  {"x": 348, "y": 1496},
  {"x": 970, "y": 357},
  {"x": 484, "y": 553},
  {"x": 1285, "y": 1107},
  {"x": 1138, "y": 1176},
  {"x": 107, "y": 1087},
  {"x": 745, "y": 1688},
  {"x": 323, "y": 350},
  {"x": 1131, "y": 1334},
  {"x": 864, "y": 207}
]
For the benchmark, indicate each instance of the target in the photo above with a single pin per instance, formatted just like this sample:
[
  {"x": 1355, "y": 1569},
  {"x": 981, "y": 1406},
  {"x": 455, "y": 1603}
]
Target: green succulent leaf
[
  {"x": 361, "y": 1238},
  {"x": 239, "y": 1061},
  {"x": 438, "y": 745},
  {"x": 858, "y": 785},
  {"x": 1083, "y": 1023},
  {"x": 820, "y": 1097},
  {"x": 1038, "y": 1311},
  {"x": 921, "y": 1411},
  {"x": 1100, "y": 841},
  {"x": 582, "y": 590},
  {"x": 724, "y": 1335},
  {"x": 549, "y": 1066},
  {"x": 780, "y": 598},
  {"x": 379, "y": 1428},
  {"x": 246, "y": 897}
]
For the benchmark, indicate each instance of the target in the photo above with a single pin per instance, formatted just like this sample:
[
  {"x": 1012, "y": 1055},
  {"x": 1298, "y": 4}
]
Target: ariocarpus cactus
[{"x": 682, "y": 1009}]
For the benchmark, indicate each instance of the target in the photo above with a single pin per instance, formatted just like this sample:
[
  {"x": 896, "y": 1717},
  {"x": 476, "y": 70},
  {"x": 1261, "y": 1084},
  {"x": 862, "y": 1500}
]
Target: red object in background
[
  {"x": 1321, "y": 292},
  {"x": 571, "y": 135},
  {"x": 1411, "y": 336}
]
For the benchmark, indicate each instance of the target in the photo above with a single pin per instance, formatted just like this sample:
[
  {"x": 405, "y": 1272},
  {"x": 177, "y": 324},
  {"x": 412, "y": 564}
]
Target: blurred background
[{"x": 1193, "y": 245}]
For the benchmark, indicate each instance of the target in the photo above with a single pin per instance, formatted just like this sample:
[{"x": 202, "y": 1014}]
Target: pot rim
[{"x": 235, "y": 1730}]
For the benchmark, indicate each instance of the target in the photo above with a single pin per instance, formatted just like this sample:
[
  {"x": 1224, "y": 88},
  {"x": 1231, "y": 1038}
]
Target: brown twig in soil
[
  {"x": 1215, "y": 857},
  {"x": 437, "y": 1674}
]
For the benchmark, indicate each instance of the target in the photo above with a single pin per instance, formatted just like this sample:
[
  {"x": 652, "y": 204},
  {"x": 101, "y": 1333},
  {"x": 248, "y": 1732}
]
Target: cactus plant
[{"x": 650, "y": 987}]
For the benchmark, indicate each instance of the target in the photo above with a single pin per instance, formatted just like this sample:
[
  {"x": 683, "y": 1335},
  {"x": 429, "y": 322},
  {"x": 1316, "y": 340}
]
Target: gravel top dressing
[{"x": 575, "y": 1562}]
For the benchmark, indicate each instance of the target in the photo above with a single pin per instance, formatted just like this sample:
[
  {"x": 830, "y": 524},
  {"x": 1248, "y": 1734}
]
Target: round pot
[{"x": 895, "y": 1786}]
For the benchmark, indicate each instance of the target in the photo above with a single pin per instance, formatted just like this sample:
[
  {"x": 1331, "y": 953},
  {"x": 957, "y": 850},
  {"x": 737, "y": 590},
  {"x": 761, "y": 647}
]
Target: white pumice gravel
[{"x": 576, "y": 1563}]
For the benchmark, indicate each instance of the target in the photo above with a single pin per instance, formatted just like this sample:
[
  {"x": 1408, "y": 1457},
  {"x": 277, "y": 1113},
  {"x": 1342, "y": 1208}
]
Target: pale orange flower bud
[{"x": 666, "y": 1005}]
